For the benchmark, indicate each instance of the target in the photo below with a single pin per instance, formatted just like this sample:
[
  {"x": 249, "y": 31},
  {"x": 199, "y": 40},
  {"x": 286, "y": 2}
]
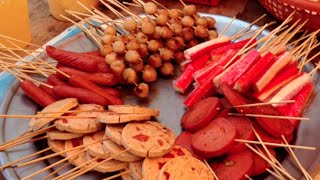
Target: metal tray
[{"x": 162, "y": 96}]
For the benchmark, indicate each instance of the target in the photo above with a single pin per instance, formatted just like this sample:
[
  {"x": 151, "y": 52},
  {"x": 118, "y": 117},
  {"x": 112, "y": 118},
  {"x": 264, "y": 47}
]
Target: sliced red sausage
[
  {"x": 84, "y": 96},
  {"x": 225, "y": 108},
  {"x": 72, "y": 59},
  {"x": 184, "y": 140},
  {"x": 276, "y": 127},
  {"x": 55, "y": 80},
  {"x": 112, "y": 91},
  {"x": 36, "y": 94},
  {"x": 259, "y": 164},
  {"x": 215, "y": 139},
  {"x": 79, "y": 81},
  {"x": 104, "y": 79},
  {"x": 201, "y": 114},
  {"x": 234, "y": 166},
  {"x": 94, "y": 53},
  {"x": 48, "y": 90},
  {"x": 244, "y": 130}
]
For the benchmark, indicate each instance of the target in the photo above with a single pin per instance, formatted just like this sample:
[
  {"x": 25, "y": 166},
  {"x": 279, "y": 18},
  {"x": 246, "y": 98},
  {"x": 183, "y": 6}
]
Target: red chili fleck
[
  {"x": 65, "y": 121},
  {"x": 160, "y": 142},
  {"x": 141, "y": 137},
  {"x": 179, "y": 152},
  {"x": 193, "y": 168},
  {"x": 161, "y": 164},
  {"x": 167, "y": 175},
  {"x": 75, "y": 142},
  {"x": 169, "y": 155}
]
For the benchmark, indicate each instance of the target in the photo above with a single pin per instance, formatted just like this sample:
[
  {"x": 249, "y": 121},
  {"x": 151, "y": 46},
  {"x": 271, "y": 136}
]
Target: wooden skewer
[
  {"x": 54, "y": 164},
  {"x": 303, "y": 36},
  {"x": 57, "y": 170},
  {"x": 213, "y": 173},
  {"x": 117, "y": 175},
  {"x": 98, "y": 164},
  {"x": 124, "y": 8},
  {"x": 270, "y": 162},
  {"x": 181, "y": 1},
  {"x": 58, "y": 153},
  {"x": 132, "y": 4},
  {"x": 274, "y": 174},
  {"x": 113, "y": 10},
  {"x": 24, "y": 158},
  {"x": 7, "y": 37},
  {"x": 262, "y": 104},
  {"x": 41, "y": 117},
  {"x": 70, "y": 111},
  {"x": 305, "y": 173},
  {"x": 227, "y": 27},
  {"x": 4, "y": 68},
  {"x": 16, "y": 49},
  {"x": 240, "y": 33},
  {"x": 159, "y": 4},
  {"x": 24, "y": 142},
  {"x": 248, "y": 177},
  {"x": 270, "y": 116},
  {"x": 70, "y": 172},
  {"x": 276, "y": 144}
]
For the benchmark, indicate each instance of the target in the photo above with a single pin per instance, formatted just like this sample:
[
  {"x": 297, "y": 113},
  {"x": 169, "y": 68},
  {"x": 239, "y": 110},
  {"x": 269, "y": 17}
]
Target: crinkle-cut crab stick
[
  {"x": 236, "y": 45},
  {"x": 201, "y": 75},
  {"x": 238, "y": 68},
  {"x": 201, "y": 49},
  {"x": 205, "y": 89},
  {"x": 281, "y": 62},
  {"x": 283, "y": 77},
  {"x": 185, "y": 80},
  {"x": 244, "y": 83},
  {"x": 301, "y": 101},
  {"x": 292, "y": 88}
]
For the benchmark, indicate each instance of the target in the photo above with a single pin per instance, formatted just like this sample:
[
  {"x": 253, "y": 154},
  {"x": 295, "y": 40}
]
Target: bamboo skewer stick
[
  {"x": 4, "y": 68},
  {"x": 117, "y": 175},
  {"x": 213, "y": 173},
  {"x": 24, "y": 158},
  {"x": 270, "y": 116},
  {"x": 21, "y": 143},
  {"x": 227, "y": 27},
  {"x": 240, "y": 33},
  {"x": 248, "y": 177},
  {"x": 57, "y": 170},
  {"x": 54, "y": 164},
  {"x": 305, "y": 173},
  {"x": 95, "y": 165},
  {"x": 275, "y": 144},
  {"x": 181, "y": 1},
  {"x": 17, "y": 40},
  {"x": 70, "y": 111},
  {"x": 124, "y": 8},
  {"x": 36, "y": 116},
  {"x": 262, "y": 104},
  {"x": 16, "y": 49},
  {"x": 274, "y": 174},
  {"x": 58, "y": 153},
  {"x": 132, "y": 4}
]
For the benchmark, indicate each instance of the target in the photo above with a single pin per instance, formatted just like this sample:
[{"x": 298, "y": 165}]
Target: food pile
[{"x": 121, "y": 138}]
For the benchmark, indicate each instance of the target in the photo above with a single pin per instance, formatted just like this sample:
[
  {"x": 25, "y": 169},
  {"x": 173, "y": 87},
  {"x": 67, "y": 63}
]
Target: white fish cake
[
  {"x": 60, "y": 135},
  {"x": 81, "y": 125},
  {"x": 79, "y": 159},
  {"x": 96, "y": 150},
  {"x": 147, "y": 139},
  {"x": 58, "y": 106},
  {"x": 133, "y": 109},
  {"x": 114, "y": 149},
  {"x": 152, "y": 165},
  {"x": 136, "y": 169},
  {"x": 116, "y": 118},
  {"x": 185, "y": 167},
  {"x": 108, "y": 166},
  {"x": 56, "y": 146},
  {"x": 114, "y": 132}
]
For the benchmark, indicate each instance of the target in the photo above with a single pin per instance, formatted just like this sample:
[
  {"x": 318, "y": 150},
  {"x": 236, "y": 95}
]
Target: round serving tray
[{"x": 162, "y": 96}]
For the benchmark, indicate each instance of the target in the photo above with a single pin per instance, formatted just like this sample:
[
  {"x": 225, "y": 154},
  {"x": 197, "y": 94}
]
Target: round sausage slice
[
  {"x": 184, "y": 141},
  {"x": 215, "y": 139},
  {"x": 234, "y": 166},
  {"x": 259, "y": 164},
  {"x": 201, "y": 114}
]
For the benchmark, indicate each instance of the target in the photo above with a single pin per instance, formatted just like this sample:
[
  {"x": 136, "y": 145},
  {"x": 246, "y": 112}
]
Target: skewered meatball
[
  {"x": 111, "y": 57},
  {"x": 157, "y": 32},
  {"x": 106, "y": 49},
  {"x": 179, "y": 57},
  {"x": 117, "y": 67},
  {"x": 119, "y": 47},
  {"x": 154, "y": 45},
  {"x": 211, "y": 22},
  {"x": 176, "y": 28},
  {"x": 133, "y": 45},
  {"x": 162, "y": 19},
  {"x": 173, "y": 44},
  {"x": 187, "y": 21},
  {"x": 167, "y": 69},
  {"x": 110, "y": 30},
  {"x": 129, "y": 75},
  {"x": 147, "y": 27},
  {"x": 130, "y": 37},
  {"x": 141, "y": 37},
  {"x": 142, "y": 90},
  {"x": 122, "y": 38},
  {"x": 202, "y": 21},
  {"x": 149, "y": 74},
  {"x": 187, "y": 34},
  {"x": 163, "y": 11},
  {"x": 150, "y": 8},
  {"x": 132, "y": 56},
  {"x": 138, "y": 67},
  {"x": 107, "y": 39},
  {"x": 212, "y": 34},
  {"x": 166, "y": 33},
  {"x": 143, "y": 50},
  {"x": 192, "y": 42},
  {"x": 174, "y": 13},
  {"x": 190, "y": 10},
  {"x": 130, "y": 24},
  {"x": 155, "y": 60},
  {"x": 166, "y": 54},
  {"x": 180, "y": 41},
  {"x": 201, "y": 31}
]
